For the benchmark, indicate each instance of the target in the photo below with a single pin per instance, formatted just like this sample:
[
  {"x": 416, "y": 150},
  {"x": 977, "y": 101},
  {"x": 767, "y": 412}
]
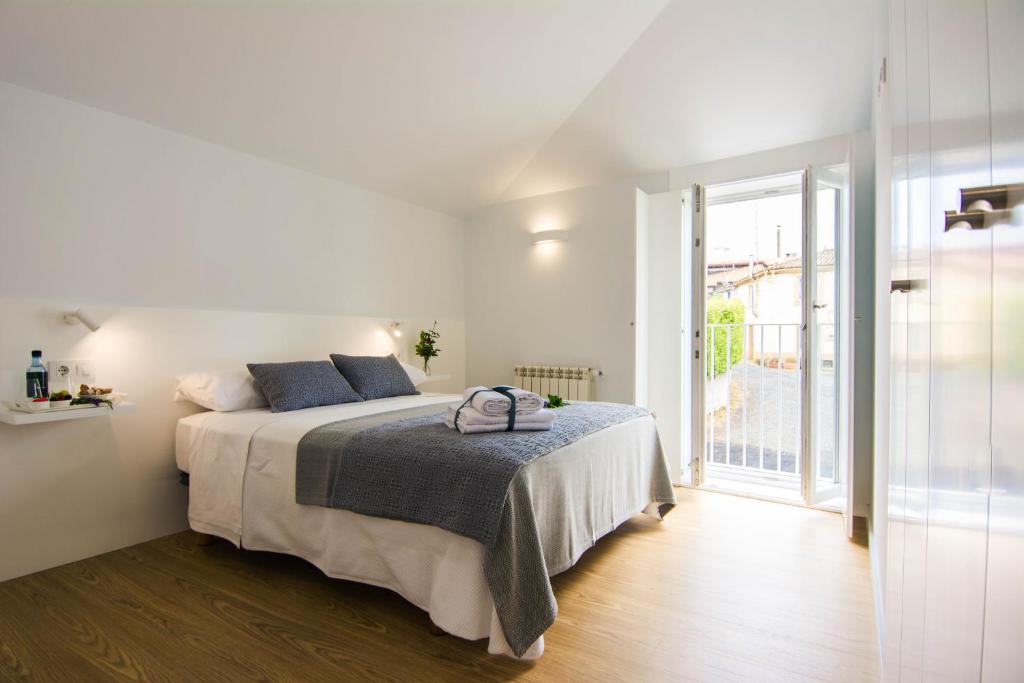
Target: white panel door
[
  {"x": 895, "y": 532},
  {"x": 960, "y": 360},
  {"x": 665, "y": 385},
  {"x": 1003, "y": 653},
  {"x": 918, "y": 186}
]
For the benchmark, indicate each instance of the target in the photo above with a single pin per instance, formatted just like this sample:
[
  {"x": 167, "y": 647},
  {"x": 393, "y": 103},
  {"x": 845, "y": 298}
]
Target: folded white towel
[
  {"x": 472, "y": 421},
  {"x": 493, "y": 403},
  {"x": 470, "y": 415}
]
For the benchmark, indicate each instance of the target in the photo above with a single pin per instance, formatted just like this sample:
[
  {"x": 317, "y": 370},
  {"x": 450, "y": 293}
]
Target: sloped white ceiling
[
  {"x": 438, "y": 102},
  {"x": 456, "y": 104},
  {"x": 712, "y": 80}
]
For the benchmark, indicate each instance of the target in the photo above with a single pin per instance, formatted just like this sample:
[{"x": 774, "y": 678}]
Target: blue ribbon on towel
[{"x": 504, "y": 391}]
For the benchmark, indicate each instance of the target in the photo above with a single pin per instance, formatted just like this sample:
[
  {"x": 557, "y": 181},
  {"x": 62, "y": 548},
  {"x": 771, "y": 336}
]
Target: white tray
[{"x": 16, "y": 407}]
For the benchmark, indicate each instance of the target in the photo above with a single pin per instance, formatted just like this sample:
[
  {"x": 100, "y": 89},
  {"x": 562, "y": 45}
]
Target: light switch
[{"x": 85, "y": 371}]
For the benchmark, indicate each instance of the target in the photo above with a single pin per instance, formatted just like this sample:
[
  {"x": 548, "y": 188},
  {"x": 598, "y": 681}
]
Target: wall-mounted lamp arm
[{"x": 80, "y": 316}]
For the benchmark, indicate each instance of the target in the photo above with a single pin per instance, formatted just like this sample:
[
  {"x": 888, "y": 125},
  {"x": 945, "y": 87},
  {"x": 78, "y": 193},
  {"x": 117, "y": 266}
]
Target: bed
[{"x": 242, "y": 487}]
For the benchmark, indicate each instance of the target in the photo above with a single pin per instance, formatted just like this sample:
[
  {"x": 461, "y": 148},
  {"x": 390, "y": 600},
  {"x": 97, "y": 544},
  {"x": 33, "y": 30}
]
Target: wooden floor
[{"x": 726, "y": 589}]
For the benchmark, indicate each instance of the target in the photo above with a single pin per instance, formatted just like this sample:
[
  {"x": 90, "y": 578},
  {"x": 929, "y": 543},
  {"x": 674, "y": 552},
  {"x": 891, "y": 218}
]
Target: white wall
[
  {"x": 568, "y": 303},
  {"x": 192, "y": 256},
  {"x": 774, "y": 161},
  {"x": 863, "y": 159},
  {"x": 132, "y": 213}
]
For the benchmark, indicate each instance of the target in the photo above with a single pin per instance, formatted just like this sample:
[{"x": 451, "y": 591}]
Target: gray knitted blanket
[{"x": 407, "y": 465}]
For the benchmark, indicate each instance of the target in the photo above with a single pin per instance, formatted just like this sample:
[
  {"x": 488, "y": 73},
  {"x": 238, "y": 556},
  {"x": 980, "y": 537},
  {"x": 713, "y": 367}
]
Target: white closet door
[
  {"x": 960, "y": 374},
  {"x": 1003, "y": 654},
  {"x": 897, "y": 348},
  {"x": 918, "y": 318}
]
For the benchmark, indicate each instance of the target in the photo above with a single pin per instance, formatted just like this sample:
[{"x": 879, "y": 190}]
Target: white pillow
[
  {"x": 417, "y": 376},
  {"x": 222, "y": 391}
]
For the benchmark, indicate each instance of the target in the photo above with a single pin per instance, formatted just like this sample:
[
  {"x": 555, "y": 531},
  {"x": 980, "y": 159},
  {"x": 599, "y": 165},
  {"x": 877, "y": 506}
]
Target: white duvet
[{"x": 242, "y": 488}]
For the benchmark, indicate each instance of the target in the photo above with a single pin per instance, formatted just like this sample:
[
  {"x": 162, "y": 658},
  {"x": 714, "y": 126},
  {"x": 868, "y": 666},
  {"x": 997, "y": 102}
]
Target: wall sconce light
[
  {"x": 549, "y": 236},
  {"x": 80, "y": 316},
  {"x": 395, "y": 328}
]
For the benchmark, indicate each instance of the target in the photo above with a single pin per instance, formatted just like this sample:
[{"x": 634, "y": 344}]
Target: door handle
[
  {"x": 818, "y": 307},
  {"x": 972, "y": 220},
  {"x": 904, "y": 286},
  {"x": 990, "y": 198},
  {"x": 978, "y": 205}
]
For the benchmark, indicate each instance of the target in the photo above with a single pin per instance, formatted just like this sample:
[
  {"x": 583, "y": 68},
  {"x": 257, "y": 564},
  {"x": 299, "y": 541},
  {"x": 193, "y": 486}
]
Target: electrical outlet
[{"x": 61, "y": 369}]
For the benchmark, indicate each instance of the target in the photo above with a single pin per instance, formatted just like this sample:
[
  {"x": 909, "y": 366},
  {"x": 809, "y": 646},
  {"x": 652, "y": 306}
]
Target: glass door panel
[
  {"x": 770, "y": 416},
  {"x": 827, "y": 211},
  {"x": 752, "y": 285}
]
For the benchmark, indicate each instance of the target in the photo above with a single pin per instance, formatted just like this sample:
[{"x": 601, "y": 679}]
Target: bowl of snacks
[
  {"x": 34, "y": 404},
  {"x": 60, "y": 399},
  {"x": 86, "y": 390},
  {"x": 98, "y": 396}
]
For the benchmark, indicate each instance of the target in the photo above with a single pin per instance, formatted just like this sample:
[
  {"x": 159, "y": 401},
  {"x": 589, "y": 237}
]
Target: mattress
[{"x": 242, "y": 488}]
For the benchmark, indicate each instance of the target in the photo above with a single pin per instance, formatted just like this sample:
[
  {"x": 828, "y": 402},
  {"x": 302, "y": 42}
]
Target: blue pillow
[
  {"x": 375, "y": 376},
  {"x": 301, "y": 384}
]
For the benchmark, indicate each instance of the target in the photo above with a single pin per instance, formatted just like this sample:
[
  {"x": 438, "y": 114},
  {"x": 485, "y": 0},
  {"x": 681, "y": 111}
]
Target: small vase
[{"x": 426, "y": 367}]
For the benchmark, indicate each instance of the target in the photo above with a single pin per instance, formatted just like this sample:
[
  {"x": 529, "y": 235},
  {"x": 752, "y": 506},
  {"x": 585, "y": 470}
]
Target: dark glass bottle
[{"x": 37, "y": 381}]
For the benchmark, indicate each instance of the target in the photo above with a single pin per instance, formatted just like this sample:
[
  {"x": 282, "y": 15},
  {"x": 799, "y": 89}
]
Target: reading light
[
  {"x": 396, "y": 329},
  {"x": 80, "y": 316},
  {"x": 549, "y": 236}
]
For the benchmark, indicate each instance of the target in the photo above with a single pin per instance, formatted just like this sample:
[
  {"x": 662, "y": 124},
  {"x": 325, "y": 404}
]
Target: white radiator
[{"x": 569, "y": 383}]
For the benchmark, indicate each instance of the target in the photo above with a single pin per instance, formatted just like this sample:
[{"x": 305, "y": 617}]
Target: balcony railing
[{"x": 753, "y": 399}]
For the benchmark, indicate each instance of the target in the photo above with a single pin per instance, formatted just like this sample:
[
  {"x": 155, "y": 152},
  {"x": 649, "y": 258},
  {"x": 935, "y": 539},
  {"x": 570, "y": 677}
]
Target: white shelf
[{"x": 13, "y": 417}]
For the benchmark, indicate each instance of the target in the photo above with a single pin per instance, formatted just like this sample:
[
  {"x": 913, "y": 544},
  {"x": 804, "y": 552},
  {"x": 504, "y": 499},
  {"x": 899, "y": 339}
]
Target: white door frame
[
  {"x": 815, "y": 178},
  {"x": 697, "y": 344}
]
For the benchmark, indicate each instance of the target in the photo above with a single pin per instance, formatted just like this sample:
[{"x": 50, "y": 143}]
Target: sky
[{"x": 739, "y": 230}]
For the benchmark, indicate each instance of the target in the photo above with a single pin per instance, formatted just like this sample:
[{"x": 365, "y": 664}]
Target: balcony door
[
  {"x": 827, "y": 412},
  {"x": 771, "y": 349}
]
